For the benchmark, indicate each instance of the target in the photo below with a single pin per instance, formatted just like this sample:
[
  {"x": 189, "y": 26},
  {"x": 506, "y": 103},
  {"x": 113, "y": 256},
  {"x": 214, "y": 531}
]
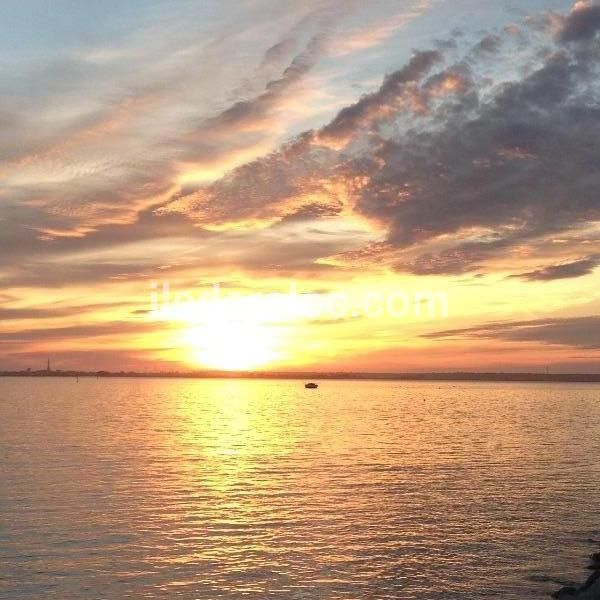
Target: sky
[{"x": 339, "y": 185}]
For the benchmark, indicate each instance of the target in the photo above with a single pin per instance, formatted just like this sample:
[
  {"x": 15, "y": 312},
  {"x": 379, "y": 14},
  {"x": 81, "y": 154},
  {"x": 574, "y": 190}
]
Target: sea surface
[{"x": 233, "y": 489}]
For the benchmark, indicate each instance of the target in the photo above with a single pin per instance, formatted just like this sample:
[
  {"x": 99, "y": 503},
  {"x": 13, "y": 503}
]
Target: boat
[{"x": 311, "y": 386}]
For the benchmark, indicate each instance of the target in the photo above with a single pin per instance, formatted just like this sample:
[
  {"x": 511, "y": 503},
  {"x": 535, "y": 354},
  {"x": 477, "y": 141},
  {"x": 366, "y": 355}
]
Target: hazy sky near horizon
[{"x": 346, "y": 146}]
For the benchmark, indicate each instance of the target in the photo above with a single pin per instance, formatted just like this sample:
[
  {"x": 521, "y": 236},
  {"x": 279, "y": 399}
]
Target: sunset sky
[{"x": 367, "y": 148}]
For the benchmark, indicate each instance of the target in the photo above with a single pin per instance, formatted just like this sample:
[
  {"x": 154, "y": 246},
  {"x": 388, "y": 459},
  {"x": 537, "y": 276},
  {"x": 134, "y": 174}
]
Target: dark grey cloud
[
  {"x": 458, "y": 167},
  {"x": 371, "y": 105},
  {"x": 576, "y": 268},
  {"x": 582, "y": 24},
  {"x": 578, "y": 332},
  {"x": 489, "y": 44},
  {"x": 501, "y": 168}
]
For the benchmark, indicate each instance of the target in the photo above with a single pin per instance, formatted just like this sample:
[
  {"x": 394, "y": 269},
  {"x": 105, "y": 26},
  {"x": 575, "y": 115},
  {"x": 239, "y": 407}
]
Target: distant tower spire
[{"x": 48, "y": 366}]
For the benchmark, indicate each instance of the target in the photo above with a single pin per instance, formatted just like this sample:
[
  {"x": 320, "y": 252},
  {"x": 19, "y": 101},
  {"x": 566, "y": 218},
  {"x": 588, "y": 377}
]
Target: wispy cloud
[
  {"x": 374, "y": 34},
  {"x": 99, "y": 135},
  {"x": 578, "y": 332},
  {"x": 576, "y": 268}
]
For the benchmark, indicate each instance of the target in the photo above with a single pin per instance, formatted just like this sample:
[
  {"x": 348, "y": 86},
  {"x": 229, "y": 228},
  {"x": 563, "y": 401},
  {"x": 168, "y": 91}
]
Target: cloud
[
  {"x": 460, "y": 162},
  {"x": 73, "y": 332},
  {"x": 296, "y": 175},
  {"x": 576, "y": 268},
  {"x": 373, "y": 35},
  {"x": 253, "y": 112},
  {"x": 386, "y": 100},
  {"x": 578, "y": 332},
  {"x": 582, "y": 24},
  {"x": 17, "y": 314},
  {"x": 492, "y": 173},
  {"x": 58, "y": 310},
  {"x": 74, "y": 161},
  {"x": 263, "y": 191},
  {"x": 245, "y": 122},
  {"x": 80, "y": 172},
  {"x": 457, "y": 159},
  {"x": 488, "y": 45}
]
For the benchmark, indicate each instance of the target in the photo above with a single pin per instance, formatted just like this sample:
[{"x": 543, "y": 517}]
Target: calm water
[{"x": 250, "y": 489}]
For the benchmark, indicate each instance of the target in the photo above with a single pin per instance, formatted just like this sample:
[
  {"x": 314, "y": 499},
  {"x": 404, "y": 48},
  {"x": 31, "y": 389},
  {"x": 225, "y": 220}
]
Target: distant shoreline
[{"x": 447, "y": 376}]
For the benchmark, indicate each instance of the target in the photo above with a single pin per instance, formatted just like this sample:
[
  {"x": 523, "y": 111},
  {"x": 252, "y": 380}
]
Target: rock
[
  {"x": 590, "y": 590},
  {"x": 591, "y": 580},
  {"x": 565, "y": 592}
]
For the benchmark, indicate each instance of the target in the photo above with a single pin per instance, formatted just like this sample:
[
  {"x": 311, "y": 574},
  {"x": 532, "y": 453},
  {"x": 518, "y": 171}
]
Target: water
[{"x": 131, "y": 488}]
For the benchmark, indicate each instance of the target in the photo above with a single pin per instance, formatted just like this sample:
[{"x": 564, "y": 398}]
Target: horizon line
[{"x": 398, "y": 376}]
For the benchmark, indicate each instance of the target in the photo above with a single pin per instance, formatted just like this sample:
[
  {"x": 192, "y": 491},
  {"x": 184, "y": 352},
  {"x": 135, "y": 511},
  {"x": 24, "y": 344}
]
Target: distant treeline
[{"x": 451, "y": 376}]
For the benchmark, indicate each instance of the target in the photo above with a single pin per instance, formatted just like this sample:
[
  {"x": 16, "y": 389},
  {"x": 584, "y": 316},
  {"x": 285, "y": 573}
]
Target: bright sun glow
[{"x": 232, "y": 345}]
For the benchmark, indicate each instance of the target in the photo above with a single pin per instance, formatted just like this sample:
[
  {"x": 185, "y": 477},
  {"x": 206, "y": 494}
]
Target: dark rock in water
[
  {"x": 590, "y": 590},
  {"x": 593, "y": 578},
  {"x": 565, "y": 592}
]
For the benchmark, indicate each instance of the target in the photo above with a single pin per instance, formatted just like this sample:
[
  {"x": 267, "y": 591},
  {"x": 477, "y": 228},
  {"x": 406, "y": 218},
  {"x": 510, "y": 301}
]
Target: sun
[{"x": 232, "y": 345}]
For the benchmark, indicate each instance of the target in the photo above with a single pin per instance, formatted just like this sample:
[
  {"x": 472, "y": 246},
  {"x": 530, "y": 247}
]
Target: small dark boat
[{"x": 311, "y": 386}]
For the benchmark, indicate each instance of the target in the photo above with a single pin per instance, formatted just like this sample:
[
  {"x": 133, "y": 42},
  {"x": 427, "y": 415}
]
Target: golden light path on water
[{"x": 203, "y": 489}]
